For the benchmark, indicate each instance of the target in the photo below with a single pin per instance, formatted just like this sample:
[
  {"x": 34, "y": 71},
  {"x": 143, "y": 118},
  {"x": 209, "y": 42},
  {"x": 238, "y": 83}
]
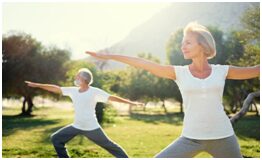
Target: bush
[{"x": 109, "y": 114}]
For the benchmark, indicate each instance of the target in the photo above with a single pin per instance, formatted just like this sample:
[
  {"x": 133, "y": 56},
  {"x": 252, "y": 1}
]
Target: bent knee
[{"x": 54, "y": 139}]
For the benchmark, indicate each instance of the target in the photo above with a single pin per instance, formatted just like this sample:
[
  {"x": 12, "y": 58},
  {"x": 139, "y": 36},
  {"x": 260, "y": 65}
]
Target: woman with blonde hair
[{"x": 206, "y": 126}]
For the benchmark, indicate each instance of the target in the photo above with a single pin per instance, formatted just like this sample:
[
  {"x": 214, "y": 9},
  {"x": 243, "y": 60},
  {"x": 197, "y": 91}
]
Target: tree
[
  {"x": 245, "y": 51},
  {"x": 247, "y": 103},
  {"x": 137, "y": 84},
  {"x": 165, "y": 89},
  {"x": 24, "y": 58},
  {"x": 173, "y": 49},
  {"x": 72, "y": 68}
]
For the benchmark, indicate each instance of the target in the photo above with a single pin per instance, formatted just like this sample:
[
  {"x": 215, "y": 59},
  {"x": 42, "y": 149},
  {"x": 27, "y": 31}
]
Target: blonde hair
[
  {"x": 87, "y": 75},
  {"x": 204, "y": 38}
]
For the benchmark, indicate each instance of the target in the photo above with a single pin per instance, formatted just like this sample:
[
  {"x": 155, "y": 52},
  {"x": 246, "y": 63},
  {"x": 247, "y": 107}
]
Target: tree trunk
[
  {"x": 181, "y": 107},
  {"x": 144, "y": 108},
  {"x": 24, "y": 106},
  {"x": 129, "y": 109},
  {"x": 257, "y": 113},
  {"x": 28, "y": 105},
  {"x": 247, "y": 103},
  {"x": 164, "y": 106}
]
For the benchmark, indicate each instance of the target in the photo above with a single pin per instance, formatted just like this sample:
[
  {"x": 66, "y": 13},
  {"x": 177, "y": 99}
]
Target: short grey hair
[
  {"x": 87, "y": 75},
  {"x": 204, "y": 38}
]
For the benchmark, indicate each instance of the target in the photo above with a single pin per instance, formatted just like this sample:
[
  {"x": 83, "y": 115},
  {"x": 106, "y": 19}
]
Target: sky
[{"x": 77, "y": 26}]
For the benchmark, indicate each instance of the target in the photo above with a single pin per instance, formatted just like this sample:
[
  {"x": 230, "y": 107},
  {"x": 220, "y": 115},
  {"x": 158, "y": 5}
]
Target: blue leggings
[{"x": 63, "y": 135}]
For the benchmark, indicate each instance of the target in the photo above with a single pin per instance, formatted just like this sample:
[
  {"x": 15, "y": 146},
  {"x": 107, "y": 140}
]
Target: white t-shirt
[
  {"x": 84, "y": 104},
  {"x": 205, "y": 117}
]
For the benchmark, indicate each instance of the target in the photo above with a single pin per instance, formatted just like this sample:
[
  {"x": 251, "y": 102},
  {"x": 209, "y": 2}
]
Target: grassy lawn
[{"x": 140, "y": 134}]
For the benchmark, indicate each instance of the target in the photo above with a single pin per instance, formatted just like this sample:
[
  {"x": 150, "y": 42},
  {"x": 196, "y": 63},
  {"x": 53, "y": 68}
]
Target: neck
[
  {"x": 83, "y": 87},
  {"x": 200, "y": 64}
]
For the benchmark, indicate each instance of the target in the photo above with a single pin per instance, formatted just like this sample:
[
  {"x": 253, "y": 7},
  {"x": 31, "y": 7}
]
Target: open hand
[{"x": 97, "y": 55}]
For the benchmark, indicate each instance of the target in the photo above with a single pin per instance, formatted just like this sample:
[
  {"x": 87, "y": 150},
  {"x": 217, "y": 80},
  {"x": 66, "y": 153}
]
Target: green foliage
[
  {"x": 244, "y": 49},
  {"x": 140, "y": 84},
  {"x": 222, "y": 53},
  {"x": 246, "y": 46},
  {"x": 251, "y": 23},
  {"x": 72, "y": 68},
  {"x": 110, "y": 114},
  {"x": 19, "y": 54},
  {"x": 24, "y": 58},
  {"x": 173, "y": 49},
  {"x": 113, "y": 81}
]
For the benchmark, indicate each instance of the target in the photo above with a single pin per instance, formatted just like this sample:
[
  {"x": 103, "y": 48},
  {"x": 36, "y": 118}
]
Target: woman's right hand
[{"x": 98, "y": 55}]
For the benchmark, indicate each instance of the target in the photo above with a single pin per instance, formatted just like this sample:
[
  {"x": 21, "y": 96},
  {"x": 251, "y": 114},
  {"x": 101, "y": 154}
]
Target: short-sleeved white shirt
[
  {"x": 84, "y": 104},
  {"x": 205, "y": 117}
]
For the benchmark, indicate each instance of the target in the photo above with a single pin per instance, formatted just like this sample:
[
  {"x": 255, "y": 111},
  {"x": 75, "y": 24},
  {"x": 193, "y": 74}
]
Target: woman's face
[{"x": 190, "y": 46}]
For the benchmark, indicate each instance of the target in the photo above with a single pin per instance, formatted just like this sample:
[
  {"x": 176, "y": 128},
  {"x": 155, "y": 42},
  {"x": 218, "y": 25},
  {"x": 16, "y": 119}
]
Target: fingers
[
  {"x": 90, "y": 53},
  {"x": 27, "y": 82},
  {"x": 30, "y": 84},
  {"x": 97, "y": 55},
  {"x": 93, "y": 54}
]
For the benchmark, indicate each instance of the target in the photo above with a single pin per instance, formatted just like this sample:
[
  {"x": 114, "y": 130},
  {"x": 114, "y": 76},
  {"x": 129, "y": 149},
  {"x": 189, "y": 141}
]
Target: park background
[{"x": 45, "y": 42}]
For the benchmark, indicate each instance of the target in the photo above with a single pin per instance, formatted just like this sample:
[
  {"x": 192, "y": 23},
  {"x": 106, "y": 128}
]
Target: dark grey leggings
[
  {"x": 65, "y": 134},
  {"x": 187, "y": 148}
]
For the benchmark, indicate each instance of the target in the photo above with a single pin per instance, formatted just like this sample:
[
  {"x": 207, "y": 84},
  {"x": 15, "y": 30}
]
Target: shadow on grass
[
  {"x": 11, "y": 124},
  {"x": 248, "y": 127},
  {"x": 170, "y": 118}
]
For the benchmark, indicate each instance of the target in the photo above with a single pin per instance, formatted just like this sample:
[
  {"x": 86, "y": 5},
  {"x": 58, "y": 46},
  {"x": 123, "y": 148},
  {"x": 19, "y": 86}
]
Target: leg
[
  {"x": 224, "y": 148},
  {"x": 60, "y": 137},
  {"x": 100, "y": 138},
  {"x": 181, "y": 148}
]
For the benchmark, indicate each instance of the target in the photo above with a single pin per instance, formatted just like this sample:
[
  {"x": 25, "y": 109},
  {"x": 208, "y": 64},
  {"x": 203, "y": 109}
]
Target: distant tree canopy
[
  {"x": 24, "y": 58},
  {"x": 138, "y": 84}
]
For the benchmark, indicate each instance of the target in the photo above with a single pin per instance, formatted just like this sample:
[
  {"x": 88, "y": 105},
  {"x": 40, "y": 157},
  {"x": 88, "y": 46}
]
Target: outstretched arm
[
  {"x": 123, "y": 100},
  {"x": 47, "y": 87},
  {"x": 164, "y": 71},
  {"x": 242, "y": 73}
]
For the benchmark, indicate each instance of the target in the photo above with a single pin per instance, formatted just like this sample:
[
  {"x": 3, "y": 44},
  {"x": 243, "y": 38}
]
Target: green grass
[{"x": 142, "y": 134}]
